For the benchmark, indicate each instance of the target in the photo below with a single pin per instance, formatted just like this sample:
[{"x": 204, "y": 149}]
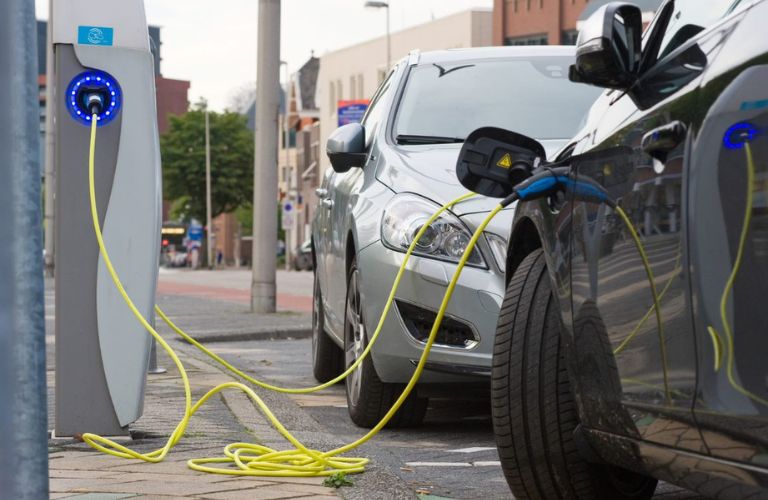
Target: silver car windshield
[{"x": 532, "y": 97}]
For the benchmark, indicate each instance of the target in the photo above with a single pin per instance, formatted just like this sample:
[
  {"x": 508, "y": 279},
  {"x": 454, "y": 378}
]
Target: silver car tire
[
  {"x": 368, "y": 398},
  {"x": 327, "y": 359}
]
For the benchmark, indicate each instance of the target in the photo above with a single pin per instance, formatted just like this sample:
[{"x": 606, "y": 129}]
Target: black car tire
[
  {"x": 327, "y": 357},
  {"x": 368, "y": 398},
  {"x": 533, "y": 407}
]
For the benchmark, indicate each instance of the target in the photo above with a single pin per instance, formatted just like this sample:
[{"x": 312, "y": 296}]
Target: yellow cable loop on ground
[
  {"x": 730, "y": 283},
  {"x": 652, "y": 281},
  {"x": 247, "y": 459},
  {"x": 379, "y": 326}
]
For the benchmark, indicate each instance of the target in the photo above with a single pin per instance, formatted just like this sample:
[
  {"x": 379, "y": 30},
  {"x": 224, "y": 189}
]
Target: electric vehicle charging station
[{"x": 103, "y": 64}]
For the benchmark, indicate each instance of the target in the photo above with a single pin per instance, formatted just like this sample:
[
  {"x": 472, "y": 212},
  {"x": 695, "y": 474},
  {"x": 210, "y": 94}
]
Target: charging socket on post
[{"x": 93, "y": 93}]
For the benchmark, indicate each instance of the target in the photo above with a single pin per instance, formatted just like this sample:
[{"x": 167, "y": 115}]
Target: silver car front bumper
[{"x": 476, "y": 302}]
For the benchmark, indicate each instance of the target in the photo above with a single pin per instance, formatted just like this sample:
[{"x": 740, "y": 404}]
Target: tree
[{"x": 183, "y": 153}]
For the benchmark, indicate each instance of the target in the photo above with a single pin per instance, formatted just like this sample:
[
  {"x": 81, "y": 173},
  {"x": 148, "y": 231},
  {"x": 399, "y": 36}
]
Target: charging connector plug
[
  {"x": 552, "y": 180},
  {"x": 94, "y": 102}
]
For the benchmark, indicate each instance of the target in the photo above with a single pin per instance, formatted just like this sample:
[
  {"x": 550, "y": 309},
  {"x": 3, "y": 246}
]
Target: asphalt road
[{"x": 452, "y": 455}]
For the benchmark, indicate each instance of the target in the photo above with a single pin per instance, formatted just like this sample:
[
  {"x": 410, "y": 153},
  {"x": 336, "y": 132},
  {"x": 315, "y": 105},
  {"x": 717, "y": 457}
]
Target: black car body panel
[{"x": 687, "y": 403}]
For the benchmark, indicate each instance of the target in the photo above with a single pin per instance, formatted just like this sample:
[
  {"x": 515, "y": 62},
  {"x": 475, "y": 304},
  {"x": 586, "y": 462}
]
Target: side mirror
[
  {"x": 493, "y": 161},
  {"x": 608, "y": 48},
  {"x": 346, "y": 147}
]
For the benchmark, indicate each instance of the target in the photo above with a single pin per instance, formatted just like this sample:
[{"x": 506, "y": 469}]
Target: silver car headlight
[{"x": 445, "y": 239}]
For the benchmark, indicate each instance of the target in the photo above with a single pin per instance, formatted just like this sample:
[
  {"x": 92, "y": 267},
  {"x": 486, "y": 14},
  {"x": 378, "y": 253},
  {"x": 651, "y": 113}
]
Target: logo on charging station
[{"x": 95, "y": 35}]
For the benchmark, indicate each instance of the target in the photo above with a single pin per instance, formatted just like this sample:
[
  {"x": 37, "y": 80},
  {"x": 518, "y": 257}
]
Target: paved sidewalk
[
  {"x": 78, "y": 471},
  {"x": 221, "y": 321},
  {"x": 294, "y": 288}
]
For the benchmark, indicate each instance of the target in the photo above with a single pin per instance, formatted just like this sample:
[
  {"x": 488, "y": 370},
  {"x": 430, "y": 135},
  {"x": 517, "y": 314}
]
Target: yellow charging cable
[
  {"x": 247, "y": 459},
  {"x": 353, "y": 367},
  {"x": 656, "y": 300}
]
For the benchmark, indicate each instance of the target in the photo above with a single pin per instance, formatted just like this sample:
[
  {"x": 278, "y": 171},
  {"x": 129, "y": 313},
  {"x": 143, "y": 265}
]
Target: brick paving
[{"x": 78, "y": 471}]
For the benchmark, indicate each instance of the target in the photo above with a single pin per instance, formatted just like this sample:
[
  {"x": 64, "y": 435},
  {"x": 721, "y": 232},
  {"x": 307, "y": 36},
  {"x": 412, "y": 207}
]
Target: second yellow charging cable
[{"x": 248, "y": 459}]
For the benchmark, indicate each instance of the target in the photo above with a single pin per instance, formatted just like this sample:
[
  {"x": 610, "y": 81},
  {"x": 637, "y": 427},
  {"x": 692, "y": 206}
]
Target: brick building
[{"x": 548, "y": 22}]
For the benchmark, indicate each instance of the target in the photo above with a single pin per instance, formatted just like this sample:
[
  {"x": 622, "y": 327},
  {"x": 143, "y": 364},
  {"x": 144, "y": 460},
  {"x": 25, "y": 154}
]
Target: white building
[{"x": 355, "y": 72}]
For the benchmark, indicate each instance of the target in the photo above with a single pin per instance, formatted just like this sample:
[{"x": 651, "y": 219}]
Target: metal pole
[
  {"x": 265, "y": 167},
  {"x": 208, "y": 225},
  {"x": 389, "y": 43},
  {"x": 23, "y": 412},
  {"x": 289, "y": 233},
  {"x": 50, "y": 172}
]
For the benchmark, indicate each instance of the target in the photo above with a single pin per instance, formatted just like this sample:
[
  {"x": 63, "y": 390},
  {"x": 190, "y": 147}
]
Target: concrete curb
[{"x": 271, "y": 334}]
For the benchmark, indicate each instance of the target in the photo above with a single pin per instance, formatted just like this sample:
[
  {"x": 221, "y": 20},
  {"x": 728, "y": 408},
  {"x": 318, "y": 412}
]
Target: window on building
[
  {"x": 570, "y": 37},
  {"x": 360, "y": 87},
  {"x": 527, "y": 40},
  {"x": 382, "y": 75},
  {"x": 527, "y": 4},
  {"x": 339, "y": 90},
  {"x": 353, "y": 87}
]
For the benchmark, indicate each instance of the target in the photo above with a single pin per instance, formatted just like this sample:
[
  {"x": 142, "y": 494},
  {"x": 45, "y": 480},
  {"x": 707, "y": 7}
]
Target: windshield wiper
[{"x": 427, "y": 139}]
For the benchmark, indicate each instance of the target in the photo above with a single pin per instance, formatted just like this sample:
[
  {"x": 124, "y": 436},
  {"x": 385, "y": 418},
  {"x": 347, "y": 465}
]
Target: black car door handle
[{"x": 660, "y": 141}]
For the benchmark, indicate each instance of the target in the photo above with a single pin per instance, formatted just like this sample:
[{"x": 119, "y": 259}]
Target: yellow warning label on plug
[{"x": 505, "y": 161}]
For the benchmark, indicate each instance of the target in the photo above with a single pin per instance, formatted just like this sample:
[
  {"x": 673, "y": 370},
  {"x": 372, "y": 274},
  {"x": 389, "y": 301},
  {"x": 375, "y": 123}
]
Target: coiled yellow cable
[{"x": 247, "y": 459}]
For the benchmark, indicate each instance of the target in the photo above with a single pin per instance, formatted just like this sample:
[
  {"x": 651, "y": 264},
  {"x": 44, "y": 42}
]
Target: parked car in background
[
  {"x": 390, "y": 174},
  {"x": 302, "y": 257},
  {"x": 594, "y": 397}
]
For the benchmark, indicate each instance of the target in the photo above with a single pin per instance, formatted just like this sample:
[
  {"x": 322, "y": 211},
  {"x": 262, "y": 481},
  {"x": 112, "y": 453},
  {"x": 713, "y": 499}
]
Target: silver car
[{"x": 390, "y": 174}]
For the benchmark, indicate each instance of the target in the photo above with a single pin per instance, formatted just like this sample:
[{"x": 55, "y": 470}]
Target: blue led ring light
[
  {"x": 739, "y": 133},
  {"x": 87, "y": 83}
]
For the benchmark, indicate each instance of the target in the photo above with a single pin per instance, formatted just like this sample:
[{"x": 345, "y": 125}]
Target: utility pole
[
  {"x": 289, "y": 241},
  {"x": 23, "y": 412},
  {"x": 208, "y": 225},
  {"x": 50, "y": 176},
  {"x": 263, "y": 288}
]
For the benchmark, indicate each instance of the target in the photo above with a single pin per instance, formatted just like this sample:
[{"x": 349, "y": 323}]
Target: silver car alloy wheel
[{"x": 354, "y": 338}]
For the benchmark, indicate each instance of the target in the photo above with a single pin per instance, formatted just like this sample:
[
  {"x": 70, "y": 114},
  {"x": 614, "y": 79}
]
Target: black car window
[
  {"x": 444, "y": 102},
  {"x": 688, "y": 19}
]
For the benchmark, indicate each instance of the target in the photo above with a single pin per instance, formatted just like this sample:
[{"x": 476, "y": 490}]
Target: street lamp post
[
  {"x": 23, "y": 409},
  {"x": 288, "y": 168},
  {"x": 264, "y": 259},
  {"x": 383, "y": 5},
  {"x": 209, "y": 227}
]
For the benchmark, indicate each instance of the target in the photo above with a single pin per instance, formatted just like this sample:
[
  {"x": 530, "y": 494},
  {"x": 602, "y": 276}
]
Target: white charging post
[{"x": 101, "y": 48}]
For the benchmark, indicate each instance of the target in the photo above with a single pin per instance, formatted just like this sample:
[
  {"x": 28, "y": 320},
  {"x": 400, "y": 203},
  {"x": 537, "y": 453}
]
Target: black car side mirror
[
  {"x": 608, "y": 48},
  {"x": 493, "y": 161},
  {"x": 346, "y": 147}
]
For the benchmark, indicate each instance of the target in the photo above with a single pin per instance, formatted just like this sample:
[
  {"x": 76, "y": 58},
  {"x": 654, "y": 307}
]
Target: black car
[{"x": 597, "y": 393}]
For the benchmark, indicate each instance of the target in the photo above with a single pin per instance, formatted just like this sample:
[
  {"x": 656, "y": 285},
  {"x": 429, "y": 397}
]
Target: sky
[{"x": 212, "y": 43}]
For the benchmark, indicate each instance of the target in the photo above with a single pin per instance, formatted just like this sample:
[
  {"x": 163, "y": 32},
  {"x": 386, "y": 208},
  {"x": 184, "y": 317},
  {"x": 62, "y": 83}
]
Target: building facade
[
  {"x": 355, "y": 72},
  {"x": 548, "y": 22}
]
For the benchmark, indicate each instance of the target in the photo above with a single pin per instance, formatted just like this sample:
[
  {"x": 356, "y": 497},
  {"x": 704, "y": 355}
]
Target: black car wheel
[
  {"x": 533, "y": 408},
  {"x": 327, "y": 358},
  {"x": 368, "y": 398}
]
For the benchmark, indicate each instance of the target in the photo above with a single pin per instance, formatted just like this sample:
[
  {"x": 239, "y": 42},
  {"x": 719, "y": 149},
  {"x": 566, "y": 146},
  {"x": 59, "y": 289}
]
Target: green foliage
[
  {"x": 337, "y": 480},
  {"x": 183, "y": 154},
  {"x": 244, "y": 215}
]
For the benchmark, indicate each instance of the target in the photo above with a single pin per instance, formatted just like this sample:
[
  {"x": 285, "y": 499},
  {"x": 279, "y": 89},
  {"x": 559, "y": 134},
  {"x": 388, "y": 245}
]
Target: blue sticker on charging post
[{"x": 95, "y": 35}]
